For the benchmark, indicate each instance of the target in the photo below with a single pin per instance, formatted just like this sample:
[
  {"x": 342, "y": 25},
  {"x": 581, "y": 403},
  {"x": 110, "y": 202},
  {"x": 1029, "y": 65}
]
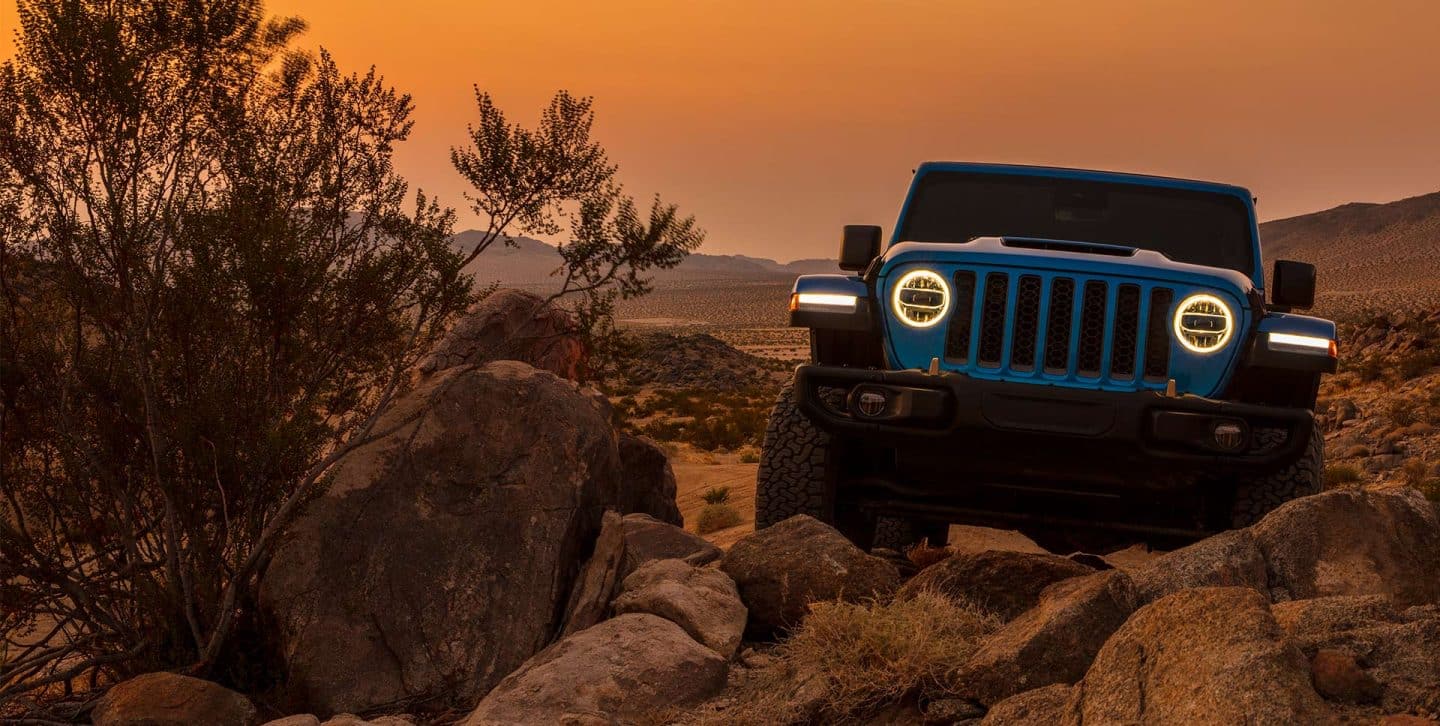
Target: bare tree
[
  {"x": 532, "y": 180},
  {"x": 212, "y": 283}
]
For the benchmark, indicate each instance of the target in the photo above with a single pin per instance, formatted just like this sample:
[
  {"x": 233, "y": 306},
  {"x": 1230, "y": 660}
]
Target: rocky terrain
[{"x": 522, "y": 561}]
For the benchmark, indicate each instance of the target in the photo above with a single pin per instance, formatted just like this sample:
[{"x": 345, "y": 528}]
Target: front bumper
[{"x": 966, "y": 420}]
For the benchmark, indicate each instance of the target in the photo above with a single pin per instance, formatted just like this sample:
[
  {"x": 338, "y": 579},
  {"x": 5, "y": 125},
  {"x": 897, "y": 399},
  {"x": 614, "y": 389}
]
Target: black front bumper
[{"x": 949, "y": 417}]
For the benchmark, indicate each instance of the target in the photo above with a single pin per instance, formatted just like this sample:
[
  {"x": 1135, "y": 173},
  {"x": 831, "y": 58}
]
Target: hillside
[
  {"x": 530, "y": 262},
  {"x": 1367, "y": 254}
]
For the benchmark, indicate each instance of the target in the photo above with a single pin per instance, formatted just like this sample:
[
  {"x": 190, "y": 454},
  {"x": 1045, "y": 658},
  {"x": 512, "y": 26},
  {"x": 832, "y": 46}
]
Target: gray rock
[
  {"x": 1050, "y": 704},
  {"x": 648, "y": 539},
  {"x": 512, "y": 325},
  {"x": 1353, "y": 542},
  {"x": 1228, "y": 559},
  {"x": 781, "y": 569},
  {"x": 704, "y": 602},
  {"x": 1004, "y": 583},
  {"x": 1054, "y": 642},
  {"x": 443, "y": 553},
  {"x": 1209, "y": 655},
  {"x": 599, "y": 578},
  {"x": 647, "y": 483},
  {"x": 168, "y": 699},
  {"x": 623, "y": 669}
]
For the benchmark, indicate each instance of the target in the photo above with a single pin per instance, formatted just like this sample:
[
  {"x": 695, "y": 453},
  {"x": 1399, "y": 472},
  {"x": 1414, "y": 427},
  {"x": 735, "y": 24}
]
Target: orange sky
[{"x": 777, "y": 122}]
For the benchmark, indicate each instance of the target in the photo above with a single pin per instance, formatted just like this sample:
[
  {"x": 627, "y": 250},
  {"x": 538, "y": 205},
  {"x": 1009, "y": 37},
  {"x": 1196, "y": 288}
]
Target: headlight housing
[
  {"x": 1203, "y": 323},
  {"x": 920, "y": 298}
]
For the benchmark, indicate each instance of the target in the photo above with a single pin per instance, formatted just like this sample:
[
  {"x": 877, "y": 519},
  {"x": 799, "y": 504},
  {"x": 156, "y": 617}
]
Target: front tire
[
  {"x": 1256, "y": 497},
  {"x": 796, "y": 476}
]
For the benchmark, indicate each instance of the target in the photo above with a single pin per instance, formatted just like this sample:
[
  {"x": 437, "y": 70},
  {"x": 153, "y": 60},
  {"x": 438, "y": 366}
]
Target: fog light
[
  {"x": 1228, "y": 435},
  {"x": 871, "y": 403}
]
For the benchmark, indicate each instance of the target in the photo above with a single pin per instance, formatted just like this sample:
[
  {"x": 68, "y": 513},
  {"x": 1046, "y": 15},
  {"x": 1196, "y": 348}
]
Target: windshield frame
[{"x": 1237, "y": 197}]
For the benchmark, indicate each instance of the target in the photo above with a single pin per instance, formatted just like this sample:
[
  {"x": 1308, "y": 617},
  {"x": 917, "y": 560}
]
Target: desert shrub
[
  {"x": 1415, "y": 472},
  {"x": 1402, "y": 411},
  {"x": 1416, "y": 363},
  {"x": 716, "y": 495},
  {"x": 715, "y": 517},
  {"x": 706, "y": 419},
  {"x": 1355, "y": 452},
  {"x": 865, "y": 656},
  {"x": 1370, "y": 369},
  {"x": 750, "y": 457},
  {"x": 1340, "y": 474}
]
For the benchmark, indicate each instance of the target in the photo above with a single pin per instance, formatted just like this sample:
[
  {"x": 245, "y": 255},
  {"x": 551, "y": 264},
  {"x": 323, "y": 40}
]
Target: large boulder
[
  {"x": 512, "y": 325},
  {"x": 624, "y": 669},
  {"x": 1362, "y": 649},
  {"x": 1209, "y": 655},
  {"x": 1353, "y": 542},
  {"x": 1054, "y": 642},
  {"x": 783, "y": 568},
  {"x": 704, "y": 602},
  {"x": 442, "y": 554},
  {"x": 648, "y": 539},
  {"x": 168, "y": 699},
  {"x": 1004, "y": 583},
  {"x": 1228, "y": 559},
  {"x": 648, "y": 482}
]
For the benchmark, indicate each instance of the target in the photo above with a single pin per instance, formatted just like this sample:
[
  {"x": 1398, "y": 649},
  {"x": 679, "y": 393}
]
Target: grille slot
[
  {"x": 1127, "y": 333},
  {"x": 957, "y": 338},
  {"x": 1057, "y": 327},
  {"x": 992, "y": 319},
  {"x": 1027, "y": 321},
  {"x": 1090, "y": 352},
  {"x": 1157, "y": 335}
]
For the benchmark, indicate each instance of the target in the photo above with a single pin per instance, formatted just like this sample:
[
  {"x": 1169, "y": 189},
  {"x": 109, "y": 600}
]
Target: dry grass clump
[
  {"x": 923, "y": 554},
  {"x": 1341, "y": 474},
  {"x": 715, "y": 517},
  {"x": 849, "y": 660}
]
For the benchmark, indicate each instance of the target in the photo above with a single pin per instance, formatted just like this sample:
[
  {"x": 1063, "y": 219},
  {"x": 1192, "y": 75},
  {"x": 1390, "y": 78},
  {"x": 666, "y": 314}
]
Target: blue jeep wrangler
[{"x": 1084, "y": 356}]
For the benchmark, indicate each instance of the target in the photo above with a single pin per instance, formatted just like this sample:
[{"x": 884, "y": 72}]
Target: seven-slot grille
[{"x": 1061, "y": 325}]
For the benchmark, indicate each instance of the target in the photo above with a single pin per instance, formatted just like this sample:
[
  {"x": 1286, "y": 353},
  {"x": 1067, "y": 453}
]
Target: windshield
[{"x": 1187, "y": 226}]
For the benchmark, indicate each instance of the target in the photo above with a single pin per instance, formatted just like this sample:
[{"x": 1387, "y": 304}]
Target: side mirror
[
  {"x": 858, "y": 246},
  {"x": 1293, "y": 284}
]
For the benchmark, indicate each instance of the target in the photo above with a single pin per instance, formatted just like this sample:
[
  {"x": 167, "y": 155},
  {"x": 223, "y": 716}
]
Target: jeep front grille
[{"x": 1080, "y": 328}]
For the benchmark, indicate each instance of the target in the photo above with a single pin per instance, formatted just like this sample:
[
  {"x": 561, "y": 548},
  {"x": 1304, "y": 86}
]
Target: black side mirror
[
  {"x": 858, "y": 246},
  {"x": 1293, "y": 284}
]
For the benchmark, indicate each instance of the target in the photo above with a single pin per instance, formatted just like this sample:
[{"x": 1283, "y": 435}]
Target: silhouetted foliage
[
  {"x": 531, "y": 180},
  {"x": 213, "y": 282}
]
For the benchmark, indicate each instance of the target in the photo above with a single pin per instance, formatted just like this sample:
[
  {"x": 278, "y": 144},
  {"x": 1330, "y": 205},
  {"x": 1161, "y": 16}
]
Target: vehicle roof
[{"x": 1085, "y": 175}]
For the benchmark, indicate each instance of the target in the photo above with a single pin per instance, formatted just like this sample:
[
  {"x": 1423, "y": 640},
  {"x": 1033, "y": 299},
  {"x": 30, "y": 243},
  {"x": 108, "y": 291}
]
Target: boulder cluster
[{"x": 502, "y": 555}]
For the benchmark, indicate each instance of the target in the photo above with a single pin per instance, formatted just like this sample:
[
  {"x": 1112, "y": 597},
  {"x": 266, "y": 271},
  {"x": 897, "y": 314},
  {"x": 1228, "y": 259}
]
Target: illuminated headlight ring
[
  {"x": 1204, "y": 323},
  {"x": 920, "y": 298}
]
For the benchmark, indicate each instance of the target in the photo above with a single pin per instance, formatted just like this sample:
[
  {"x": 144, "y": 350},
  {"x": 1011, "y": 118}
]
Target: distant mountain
[
  {"x": 531, "y": 262},
  {"x": 1364, "y": 248}
]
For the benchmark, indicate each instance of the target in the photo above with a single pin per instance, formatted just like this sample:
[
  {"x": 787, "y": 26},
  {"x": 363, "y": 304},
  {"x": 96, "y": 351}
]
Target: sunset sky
[{"x": 777, "y": 122}]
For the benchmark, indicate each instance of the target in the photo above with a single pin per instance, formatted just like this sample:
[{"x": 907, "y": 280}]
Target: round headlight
[
  {"x": 1203, "y": 323},
  {"x": 921, "y": 298}
]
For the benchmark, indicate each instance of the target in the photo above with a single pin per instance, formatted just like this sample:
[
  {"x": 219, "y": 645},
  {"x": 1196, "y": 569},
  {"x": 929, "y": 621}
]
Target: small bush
[
  {"x": 1415, "y": 472},
  {"x": 1402, "y": 411},
  {"x": 1340, "y": 474},
  {"x": 749, "y": 457},
  {"x": 716, "y": 495},
  {"x": 715, "y": 517},
  {"x": 864, "y": 657}
]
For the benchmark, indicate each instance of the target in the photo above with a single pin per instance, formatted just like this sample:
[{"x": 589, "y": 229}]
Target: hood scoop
[{"x": 1058, "y": 245}]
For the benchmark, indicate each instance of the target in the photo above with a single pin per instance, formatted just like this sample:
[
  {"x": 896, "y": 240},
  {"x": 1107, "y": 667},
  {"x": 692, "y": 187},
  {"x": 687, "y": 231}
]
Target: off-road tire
[
  {"x": 794, "y": 478},
  {"x": 1255, "y": 497},
  {"x": 793, "y": 457}
]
